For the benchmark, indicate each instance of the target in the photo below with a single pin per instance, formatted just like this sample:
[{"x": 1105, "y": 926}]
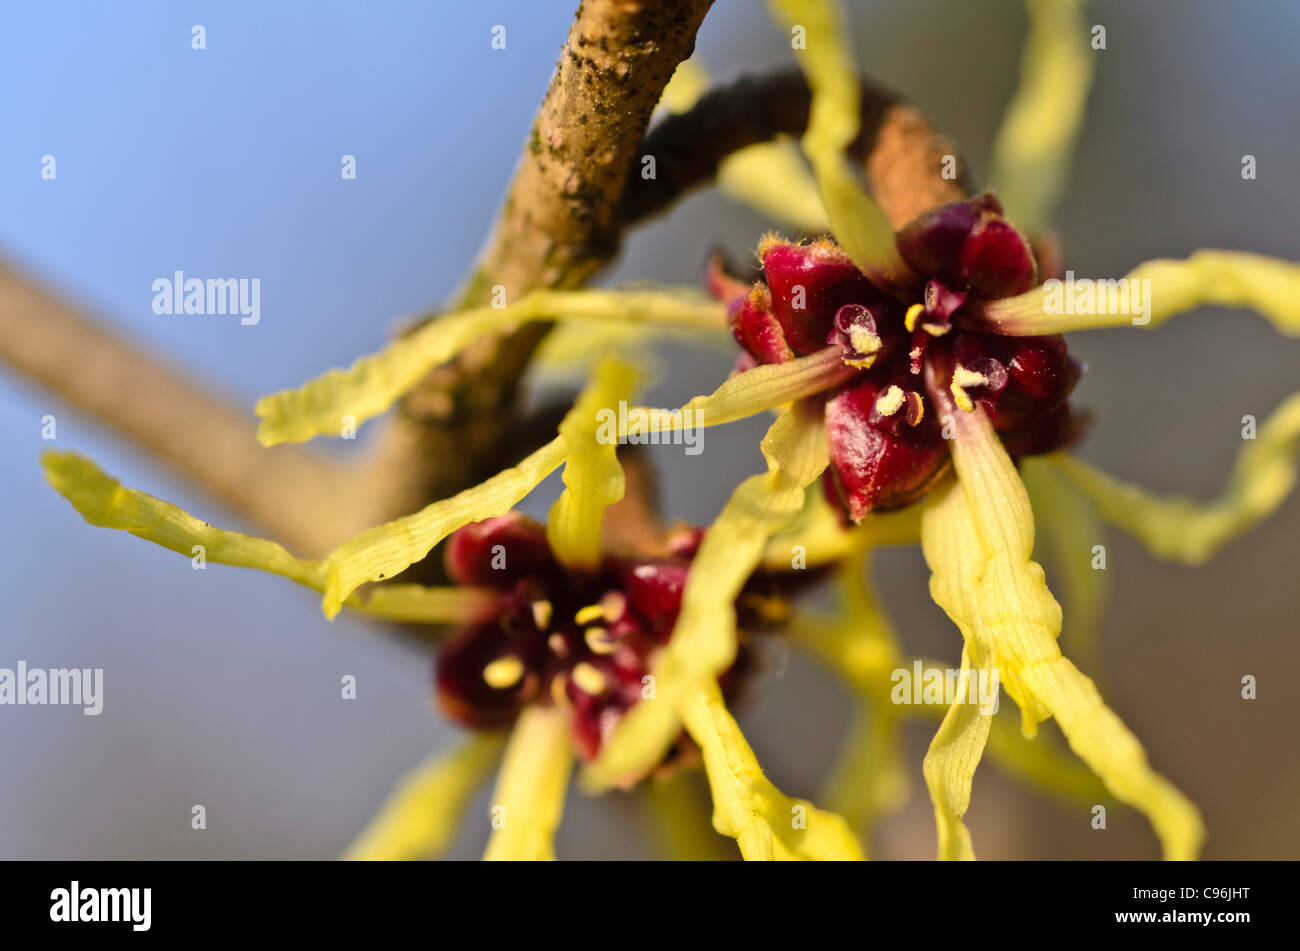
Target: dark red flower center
[
  {"x": 914, "y": 354},
  {"x": 581, "y": 640}
]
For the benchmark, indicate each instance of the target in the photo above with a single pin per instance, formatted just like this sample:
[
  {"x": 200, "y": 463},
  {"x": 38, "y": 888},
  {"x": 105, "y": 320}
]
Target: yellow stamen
[
  {"x": 542, "y": 614},
  {"x": 589, "y": 679},
  {"x": 504, "y": 672},
  {"x": 865, "y": 342},
  {"x": 891, "y": 401},
  {"x": 598, "y": 640},
  {"x": 558, "y": 693},
  {"x": 912, "y": 316},
  {"x": 962, "y": 378},
  {"x": 614, "y": 604},
  {"x": 556, "y": 643},
  {"x": 592, "y": 612},
  {"x": 936, "y": 330}
]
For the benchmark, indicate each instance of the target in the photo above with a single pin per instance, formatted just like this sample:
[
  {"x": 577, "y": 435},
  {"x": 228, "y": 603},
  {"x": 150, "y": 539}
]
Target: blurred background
[{"x": 222, "y": 686}]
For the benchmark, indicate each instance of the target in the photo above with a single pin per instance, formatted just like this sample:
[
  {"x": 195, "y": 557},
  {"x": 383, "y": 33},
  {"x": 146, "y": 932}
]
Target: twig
[
  {"x": 903, "y": 153},
  {"x": 558, "y": 225},
  {"x": 295, "y": 496}
]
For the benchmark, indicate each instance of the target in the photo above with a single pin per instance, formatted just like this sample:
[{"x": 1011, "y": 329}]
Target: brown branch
[
  {"x": 558, "y": 225},
  {"x": 296, "y": 497},
  {"x": 901, "y": 150}
]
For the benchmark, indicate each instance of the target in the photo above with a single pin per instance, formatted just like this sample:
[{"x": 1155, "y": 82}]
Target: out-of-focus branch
[
  {"x": 296, "y": 497},
  {"x": 903, "y": 153}
]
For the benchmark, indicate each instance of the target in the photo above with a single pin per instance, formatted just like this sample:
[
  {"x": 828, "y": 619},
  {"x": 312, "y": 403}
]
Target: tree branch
[
  {"x": 558, "y": 225},
  {"x": 297, "y": 497},
  {"x": 901, "y": 150}
]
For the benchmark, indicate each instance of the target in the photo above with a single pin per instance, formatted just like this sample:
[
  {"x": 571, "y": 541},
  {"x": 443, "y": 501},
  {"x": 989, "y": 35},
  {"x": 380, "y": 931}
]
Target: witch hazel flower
[
  {"x": 582, "y": 641},
  {"x": 918, "y": 365},
  {"x": 911, "y": 349}
]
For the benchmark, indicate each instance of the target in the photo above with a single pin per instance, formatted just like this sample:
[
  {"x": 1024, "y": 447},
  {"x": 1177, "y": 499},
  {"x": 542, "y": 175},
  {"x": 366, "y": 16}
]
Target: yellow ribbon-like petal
[
  {"x": 593, "y": 477},
  {"x": 1004, "y": 602},
  {"x": 421, "y": 604},
  {"x": 948, "y": 535},
  {"x": 949, "y": 768},
  {"x": 833, "y": 121},
  {"x": 1181, "y": 529},
  {"x": 421, "y": 817},
  {"x": 385, "y": 550},
  {"x": 105, "y": 502},
  {"x": 529, "y": 797},
  {"x": 344, "y": 398},
  {"x": 868, "y": 779},
  {"x": 774, "y": 180},
  {"x": 770, "y": 177},
  {"x": 1152, "y": 293},
  {"x": 818, "y": 535},
  {"x": 766, "y": 823},
  {"x": 704, "y": 640},
  {"x": 1070, "y": 527},
  {"x": 1031, "y": 154},
  {"x": 679, "y": 813}
]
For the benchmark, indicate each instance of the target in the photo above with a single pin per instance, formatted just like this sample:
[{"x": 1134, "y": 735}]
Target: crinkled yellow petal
[
  {"x": 1070, "y": 527},
  {"x": 421, "y": 604},
  {"x": 948, "y": 534},
  {"x": 385, "y": 550},
  {"x": 690, "y": 81},
  {"x": 1182, "y": 529},
  {"x": 105, "y": 502},
  {"x": 774, "y": 180},
  {"x": 833, "y": 121},
  {"x": 679, "y": 813},
  {"x": 770, "y": 177},
  {"x": 422, "y": 815},
  {"x": 388, "y": 549},
  {"x": 1003, "y": 601},
  {"x": 571, "y": 348},
  {"x": 868, "y": 779},
  {"x": 529, "y": 797},
  {"x": 818, "y": 536},
  {"x": 766, "y": 823},
  {"x": 1042, "y": 764},
  {"x": 1031, "y": 154},
  {"x": 949, "y": 768},
  {"x": 340, "y": 398},
  {"x": 1038, "y": 762},
  {"x": 756, "y": 391},
  {"x": 704, "y": 640},
  {"x": 1163, "y": 289},
  {"x": 593, "y": 477}
]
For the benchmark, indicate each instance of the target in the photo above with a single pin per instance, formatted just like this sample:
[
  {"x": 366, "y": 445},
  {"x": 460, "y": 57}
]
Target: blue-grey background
[{"x": 222, "y": 686}]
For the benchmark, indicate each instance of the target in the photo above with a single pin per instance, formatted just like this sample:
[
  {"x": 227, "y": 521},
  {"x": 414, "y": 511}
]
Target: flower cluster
[
  {"x": 582, "y": 640},
  {"x": 914, "y": 354}
]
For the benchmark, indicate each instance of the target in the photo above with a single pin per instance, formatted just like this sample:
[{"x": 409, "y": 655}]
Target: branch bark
[
  {"x": 902, "y": 152},
  {"x": 559, "y": 224},
  {"x": 298, "y": 497}
]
